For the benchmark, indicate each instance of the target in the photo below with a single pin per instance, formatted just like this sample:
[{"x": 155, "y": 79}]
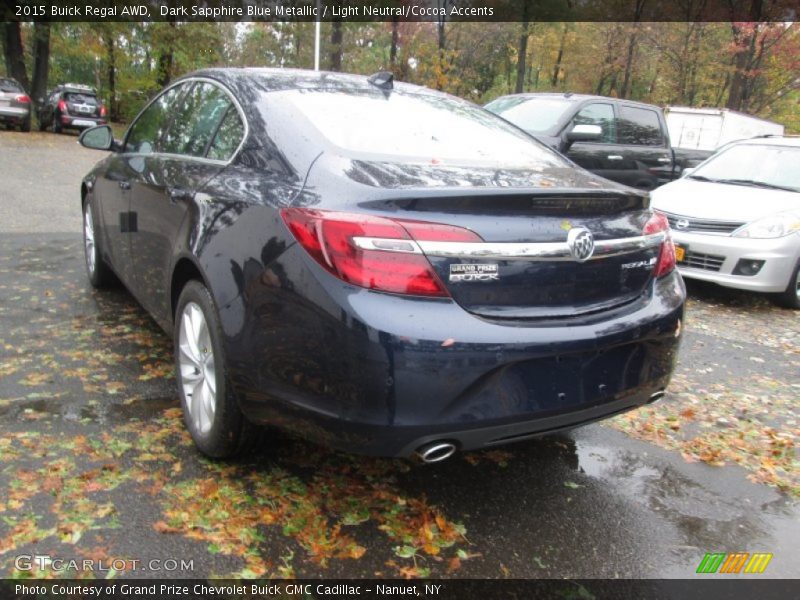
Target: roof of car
[
  {"x": 75, "y": 87},
  {"x": 771, "y": 140},
  {"x": 575, "y": 97},
  {"x": 271, "y": 79}
]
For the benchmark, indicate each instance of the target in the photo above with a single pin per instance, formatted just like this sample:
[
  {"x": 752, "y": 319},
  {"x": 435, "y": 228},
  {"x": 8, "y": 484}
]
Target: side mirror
[
  {"x": 585, "y": 133},
  {"x": 687, "y": 171},
  {"x": 98, "y": 138}
]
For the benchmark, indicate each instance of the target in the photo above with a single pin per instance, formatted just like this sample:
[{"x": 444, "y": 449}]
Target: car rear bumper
[
  {"x": 382, "y": 374},
  {"x": 81, "y": 122},
  {"x": 714, "y": 258},
  {"x": 11, "y": 113}
]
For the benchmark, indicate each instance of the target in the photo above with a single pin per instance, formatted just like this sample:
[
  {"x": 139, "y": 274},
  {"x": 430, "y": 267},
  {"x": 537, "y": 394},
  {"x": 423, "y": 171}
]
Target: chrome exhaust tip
[
  {"x": 436, "y": 452},
  {"x": 657, "y": 396}
]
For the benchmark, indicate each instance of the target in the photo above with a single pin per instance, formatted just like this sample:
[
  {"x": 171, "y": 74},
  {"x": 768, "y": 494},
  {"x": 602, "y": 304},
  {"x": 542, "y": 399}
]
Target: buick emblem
[
  {"x": 682, "y": 224},
  {"x": 581, "y": 243}
]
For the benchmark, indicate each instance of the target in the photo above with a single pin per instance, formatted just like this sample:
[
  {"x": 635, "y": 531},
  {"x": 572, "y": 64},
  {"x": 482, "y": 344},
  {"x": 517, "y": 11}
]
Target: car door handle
[
  {"x": 176, "y": 194},
  {"x": 125, "y": 185},
  {"x": 614, "y": 157},
  {"x": 664, "y": 159}
]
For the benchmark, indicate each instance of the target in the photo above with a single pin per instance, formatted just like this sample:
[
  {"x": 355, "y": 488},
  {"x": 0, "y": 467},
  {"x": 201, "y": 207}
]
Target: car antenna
[{"x": 383, "y": 80}]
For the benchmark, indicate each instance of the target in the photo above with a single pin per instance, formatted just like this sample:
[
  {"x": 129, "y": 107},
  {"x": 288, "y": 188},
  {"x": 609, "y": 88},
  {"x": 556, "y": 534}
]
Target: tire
[
  {"x": 790, "y": 298},
  {"x": 98, "y": 272},
  {"x": 210, "y": 409},
  {"x": 26, "y": 125},
  {"x": 56, "y": 124}
]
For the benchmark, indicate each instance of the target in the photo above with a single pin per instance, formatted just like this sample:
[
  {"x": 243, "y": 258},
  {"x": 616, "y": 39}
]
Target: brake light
[
  {"x": 103, "y": 111},
  {"x": 392, "y": 263},
  {"x": 22, "y": 98},
  {"x": 666, "y": 255},
  {"x": 62, "y": 106}
]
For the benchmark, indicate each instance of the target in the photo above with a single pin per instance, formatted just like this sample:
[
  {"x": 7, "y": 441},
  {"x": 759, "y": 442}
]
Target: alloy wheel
[
  {"x": 197, "y": 370},
  {"x": 88, "y": 238}
]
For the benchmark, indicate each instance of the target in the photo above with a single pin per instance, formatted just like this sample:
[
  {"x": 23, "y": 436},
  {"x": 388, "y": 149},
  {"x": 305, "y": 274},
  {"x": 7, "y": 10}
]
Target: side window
[
  {"x": 196, "y": 120},
  {"x": 229, "y": 136},
  {"x": 639, "y": 126},
  {"x": 148, "y": 128},
  {"x": 602, "y": 115}
]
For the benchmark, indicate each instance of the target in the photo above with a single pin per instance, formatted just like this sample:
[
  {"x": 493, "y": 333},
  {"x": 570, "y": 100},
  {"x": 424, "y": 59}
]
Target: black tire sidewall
[
  {"x": 789, "y": 298},
  {"x": 96, "y": 276},
  {"x": 223, "y": 439}
]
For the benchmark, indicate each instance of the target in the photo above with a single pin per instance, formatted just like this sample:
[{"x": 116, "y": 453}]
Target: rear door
[
  {"x": 191, "y": 152},
  {"x": 643, "y": 146}
]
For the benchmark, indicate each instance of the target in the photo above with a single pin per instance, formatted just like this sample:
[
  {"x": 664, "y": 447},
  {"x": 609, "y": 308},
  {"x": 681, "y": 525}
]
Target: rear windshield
[
  {"x": 419, "y": 128},
  {"x": 9, "y": 85},
  {"x": 537, "y": 115},
  {"x": 80, "y": 98}
]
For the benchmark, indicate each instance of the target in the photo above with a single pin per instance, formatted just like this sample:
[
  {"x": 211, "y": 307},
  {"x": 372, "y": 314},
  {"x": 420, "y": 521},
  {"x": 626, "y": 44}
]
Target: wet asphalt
[{"x": 95, "y": 461}]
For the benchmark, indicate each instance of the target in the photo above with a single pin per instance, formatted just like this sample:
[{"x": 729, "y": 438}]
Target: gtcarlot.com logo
[
  {"x": 734, "y": 562},
  {"x": 45, "y": 562}
]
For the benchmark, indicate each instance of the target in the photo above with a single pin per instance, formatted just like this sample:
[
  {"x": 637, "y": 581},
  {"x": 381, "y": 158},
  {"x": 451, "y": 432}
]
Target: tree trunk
[
  {"x": 335, "y": 55},
  {"x": 626, "y": 80},
  {"x": 41, "y": 59},
  {"x": 395, "y": 41},
  {"x": 522, "y": 52},
  {"x": 560, "y": 57},
  {"x": 14, "y": 54},
  {"x": 166, "y": 57},
  {"x": 111, "y": 58}
]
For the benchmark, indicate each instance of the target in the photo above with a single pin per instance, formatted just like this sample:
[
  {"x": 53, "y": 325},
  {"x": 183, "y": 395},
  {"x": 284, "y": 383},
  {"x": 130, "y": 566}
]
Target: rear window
[
  {"x": 80, "y": 98},
  {"x": 419, "y": 128},
  {"x": 9, "y": 85}
]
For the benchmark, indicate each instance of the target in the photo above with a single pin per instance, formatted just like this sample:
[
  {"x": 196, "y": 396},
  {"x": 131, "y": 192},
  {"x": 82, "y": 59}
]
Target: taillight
[
  {"x": 373, "y": 252},
  {"x": 23, "y": 99},
  {"x": 103, "y": 111},
  {"x": 666, "y": 255},
  {"x": 62, "y": 106}
]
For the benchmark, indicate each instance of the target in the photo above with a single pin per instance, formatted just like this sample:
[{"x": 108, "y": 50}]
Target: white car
[{"x": 735, "y": 218}]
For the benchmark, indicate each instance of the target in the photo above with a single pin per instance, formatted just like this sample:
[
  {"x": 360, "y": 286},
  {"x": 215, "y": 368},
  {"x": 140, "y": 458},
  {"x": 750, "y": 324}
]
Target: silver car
[
  {"x": 15, "y": 105},
  {"x": 736, "y": 217}
]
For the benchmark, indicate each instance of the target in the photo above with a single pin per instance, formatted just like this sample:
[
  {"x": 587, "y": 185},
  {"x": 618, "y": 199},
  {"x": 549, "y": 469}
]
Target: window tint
[
  {"x": 80, "y": 98},
  {"x": 149, "y": 127},
  {"x": 639, "y": 126},
  {"x": 196, "y": 120},
  {"x": 228, "y": 137},
  {"x": 602, "y": 115}
]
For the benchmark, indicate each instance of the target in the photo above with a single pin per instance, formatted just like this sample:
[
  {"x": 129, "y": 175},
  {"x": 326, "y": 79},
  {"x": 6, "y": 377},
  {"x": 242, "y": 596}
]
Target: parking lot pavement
[{"x": 95, "y": 462}]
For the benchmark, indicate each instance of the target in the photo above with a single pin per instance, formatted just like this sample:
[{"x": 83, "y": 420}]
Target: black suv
[
  {"x": 620, "y": 140},
  {"x": 71, "y": 106}
]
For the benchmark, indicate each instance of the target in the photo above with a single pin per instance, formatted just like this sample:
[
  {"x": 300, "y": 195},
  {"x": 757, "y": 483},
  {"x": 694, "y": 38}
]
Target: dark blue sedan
[{"x": 377, "y": 266}]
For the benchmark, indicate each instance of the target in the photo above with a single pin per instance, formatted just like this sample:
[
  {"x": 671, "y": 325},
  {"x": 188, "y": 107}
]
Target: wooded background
[{"x": 750, "y": 67}]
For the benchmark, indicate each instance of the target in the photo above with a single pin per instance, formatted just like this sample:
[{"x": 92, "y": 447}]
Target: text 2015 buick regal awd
[{"x": 378, "y": 267}]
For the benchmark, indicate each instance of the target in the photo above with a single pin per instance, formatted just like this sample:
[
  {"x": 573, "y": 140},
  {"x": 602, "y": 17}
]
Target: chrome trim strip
[{"x": 534, "y": 251}]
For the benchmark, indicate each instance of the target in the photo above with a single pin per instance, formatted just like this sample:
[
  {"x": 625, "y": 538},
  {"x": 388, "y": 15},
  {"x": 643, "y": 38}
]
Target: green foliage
[{"x": 690, "y": 63}]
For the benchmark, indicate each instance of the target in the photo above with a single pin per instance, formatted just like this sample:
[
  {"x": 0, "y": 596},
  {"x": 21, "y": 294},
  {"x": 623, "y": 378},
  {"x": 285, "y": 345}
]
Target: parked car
[
  {"x": 736, "y": 218},
  {"x": 15, "y": 105},
  {"x": 631, "y": 145},
  {"x": 377, "y": 266},
  {"x": 71, "y": 106}
]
